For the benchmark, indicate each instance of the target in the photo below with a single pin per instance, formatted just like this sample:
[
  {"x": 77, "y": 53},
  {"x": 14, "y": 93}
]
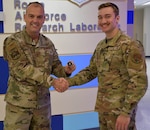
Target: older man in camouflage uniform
[
  {"x": 31, "y": 57},
  {"x": 119, "y": 64}
]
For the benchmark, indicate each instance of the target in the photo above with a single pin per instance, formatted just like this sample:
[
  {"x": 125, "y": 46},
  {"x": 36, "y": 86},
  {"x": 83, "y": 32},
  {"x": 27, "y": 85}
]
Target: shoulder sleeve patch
[
  {"x": 137, "y": 52},
  {"x": 137, "y": 58},
  {"x": 13, "y": 51}
]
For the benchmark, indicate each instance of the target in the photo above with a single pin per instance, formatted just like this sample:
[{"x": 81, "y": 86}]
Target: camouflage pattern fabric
[
  {"x": 107, "y": 121},
  {"x": 21, "y": 117},
  {"x": 29, "y": 66},
  {"x": 120, "y": 67}
]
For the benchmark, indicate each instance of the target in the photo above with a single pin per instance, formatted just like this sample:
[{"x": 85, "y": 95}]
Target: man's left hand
[
  {"x": 122, "y": 122},
  {"x": 69, "y": 68}
]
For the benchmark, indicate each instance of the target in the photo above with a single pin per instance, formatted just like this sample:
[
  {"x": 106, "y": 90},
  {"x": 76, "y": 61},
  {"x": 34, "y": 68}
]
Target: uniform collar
[
  {"x": 113, "y": 41},
  {"x": 28, "y": 39}
]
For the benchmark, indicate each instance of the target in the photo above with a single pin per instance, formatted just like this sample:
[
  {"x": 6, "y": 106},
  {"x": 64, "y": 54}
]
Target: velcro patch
[
  {"x": 13, "y": 51},
  {"x": 137, "y": 58}
]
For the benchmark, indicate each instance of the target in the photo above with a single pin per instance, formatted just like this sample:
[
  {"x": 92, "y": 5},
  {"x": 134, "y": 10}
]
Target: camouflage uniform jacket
[
  {"x": 120, "y": 67},
  {"x": 30, "y": 65}
]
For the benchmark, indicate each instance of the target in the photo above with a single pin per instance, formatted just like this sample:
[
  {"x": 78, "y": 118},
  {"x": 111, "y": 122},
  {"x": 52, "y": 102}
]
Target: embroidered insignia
[
  {"x": 13, "y": 51},
  {"x": 137, "y": 58},
  {"x": 79, "y": 2}
]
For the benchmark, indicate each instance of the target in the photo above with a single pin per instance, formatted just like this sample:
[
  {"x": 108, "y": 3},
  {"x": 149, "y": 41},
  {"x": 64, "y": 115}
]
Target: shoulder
[
  {"x": 100, "y": 43},
  {"x": 136, "y": 54},
  {"x": 13, "y": 37},
  {"x": 130, "y": 46},
  {"x": 46, "y": 39},
  {"x": 126, "y": 42},
  {"x": 11, "y": 42},
  {"x": 124, "y": 39}
]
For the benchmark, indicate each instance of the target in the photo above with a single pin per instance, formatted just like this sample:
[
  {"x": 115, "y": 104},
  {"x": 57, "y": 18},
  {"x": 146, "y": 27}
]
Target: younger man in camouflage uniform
[
  {"x": 31, "y": 57},
  {"x": 119, "y": 64}
]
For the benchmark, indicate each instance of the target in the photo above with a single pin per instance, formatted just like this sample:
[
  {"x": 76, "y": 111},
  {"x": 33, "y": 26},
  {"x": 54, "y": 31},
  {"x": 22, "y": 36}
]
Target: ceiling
[{"x": 139, "y": 3}]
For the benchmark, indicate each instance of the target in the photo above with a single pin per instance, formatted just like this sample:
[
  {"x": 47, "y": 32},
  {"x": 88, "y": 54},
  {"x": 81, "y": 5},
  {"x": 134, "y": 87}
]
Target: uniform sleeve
[
  {"x": 135, "y": 63},
  {"x": 85, "y": 75},
  {"x": 57, "y": 68},
  {"x": 20, "y": 67}
]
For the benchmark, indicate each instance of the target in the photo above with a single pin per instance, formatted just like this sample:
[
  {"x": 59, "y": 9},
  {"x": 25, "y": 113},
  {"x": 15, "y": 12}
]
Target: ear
[
  {"x": 44, "y": 19},
  {"x": 118, "y": 18}
]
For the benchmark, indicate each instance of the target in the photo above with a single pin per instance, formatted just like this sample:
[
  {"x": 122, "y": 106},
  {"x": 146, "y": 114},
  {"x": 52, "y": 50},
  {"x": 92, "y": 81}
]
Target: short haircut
[
  {"x": 112, "y": 5},
  {"x": 36, "y": 3}
]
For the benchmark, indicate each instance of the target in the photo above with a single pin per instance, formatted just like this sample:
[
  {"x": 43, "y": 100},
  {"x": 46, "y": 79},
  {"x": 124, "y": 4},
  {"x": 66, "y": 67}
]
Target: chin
[{"x": 104, "y": 30}]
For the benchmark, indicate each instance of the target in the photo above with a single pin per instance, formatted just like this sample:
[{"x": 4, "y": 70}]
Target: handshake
[{"x": 60, "y": 84}]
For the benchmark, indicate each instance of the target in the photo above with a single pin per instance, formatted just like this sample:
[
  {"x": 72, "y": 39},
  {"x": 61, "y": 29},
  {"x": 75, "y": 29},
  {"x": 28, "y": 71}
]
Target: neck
[
  {"x": 111, "y": 34},
  {"x": 34, "y": 36}
]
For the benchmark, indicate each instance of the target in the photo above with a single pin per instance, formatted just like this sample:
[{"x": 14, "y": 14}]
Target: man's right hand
[{"x": 60, "y": 84}]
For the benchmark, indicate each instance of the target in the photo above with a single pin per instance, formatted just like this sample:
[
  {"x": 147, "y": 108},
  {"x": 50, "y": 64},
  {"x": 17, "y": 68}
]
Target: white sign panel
[{"x": 61, "y": 15}]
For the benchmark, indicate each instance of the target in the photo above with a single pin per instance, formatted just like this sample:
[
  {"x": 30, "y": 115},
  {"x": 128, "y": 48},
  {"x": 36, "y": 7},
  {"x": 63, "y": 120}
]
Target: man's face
[
  {"x": 34, "y": 19},
  {"x": 107, "y": 20}
]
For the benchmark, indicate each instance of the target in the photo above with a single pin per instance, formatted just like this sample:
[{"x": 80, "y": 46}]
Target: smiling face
[
  {"x": 34, "y": 18},
  {"x": 108, "y": 20}
]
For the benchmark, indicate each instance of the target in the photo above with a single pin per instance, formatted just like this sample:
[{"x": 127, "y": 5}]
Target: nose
[
  {"x": 102, "y": 20},
  {"x": 35, "y": 19}
]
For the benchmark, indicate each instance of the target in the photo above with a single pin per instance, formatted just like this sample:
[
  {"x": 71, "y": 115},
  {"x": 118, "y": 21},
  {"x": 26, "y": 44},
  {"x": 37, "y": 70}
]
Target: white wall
[
  {"x": 146, "y": 30},
  {"x": 138, "y": 20},
  {"x": 142, "y": 27}
]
